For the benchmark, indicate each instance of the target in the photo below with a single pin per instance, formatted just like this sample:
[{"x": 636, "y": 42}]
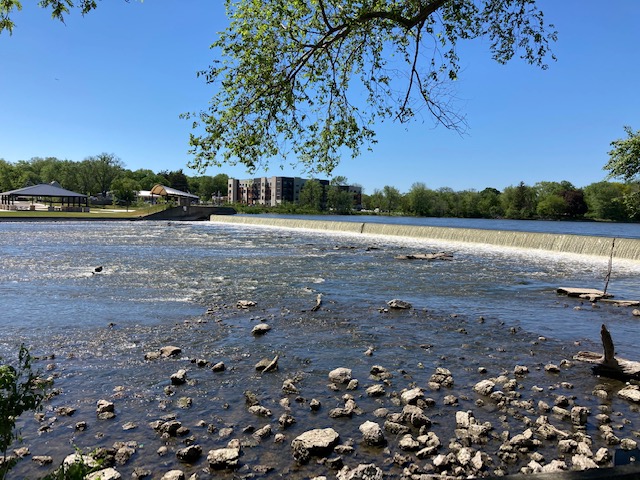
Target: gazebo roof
[
  {"x": 43, "y": 190},
  {"x": 172, "y": 192}
]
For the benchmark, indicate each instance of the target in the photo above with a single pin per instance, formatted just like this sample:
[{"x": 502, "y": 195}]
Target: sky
[{"x": 116, "y": 81}]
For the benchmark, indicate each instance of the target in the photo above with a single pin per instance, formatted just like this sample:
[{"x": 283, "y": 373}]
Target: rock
[
  {"x": 184, "y": 402},
  {"x": 353, "y": 384},
  {"x": 554, "y": 466},
  {"x": 244, "y": 304},
  {"x": 414, "y": 416},
  {"x": 129, "y": 426},
  {"x": 104, "y": 474},
  {"x": 179, "y": 378},
  {"x": 65, "y": 411},
  {"x": 395, "y": 428},
  {"x": 289, "y": 387},
  {"x": 105, "y": 410},
  {"x": 552, "y": 368},
  {"x": 285, "y": 420},
  {"x": 218, "y": 367},
  {"x": 520, "y": 370},
  {"x": 260, "y": 410},
  {"x": 484, "y": 387},
  {"x": 189, "y": 454},
  {"x": 443, "y": 377},
  {"x": 361, "y": 472},
  {"x": 123, "y": 455},
  {"x": 152, "y": 355},
  {"x": 77, "y": 458},
  {"x": 582, "y": 462},
  {"x": 170, "y": 351},
  {"x": 602, "y": 456},
  {"x": 173, "y": 475},
  {"x": 42, "y": 460},
  {"x": 372, "y": 433},
  {"x": 260, "y": 329},
  {"x": 628, "y": 444},
  {"x": 314, "y": 405},
  {"x": 408, "y": 443},
  {"x": 314, "y": 442},
  {"x": 265, "y": 365},
  {"x": 631, "y": 393},
  {"x": 375, "y": 391},
  {"x": 340, "y": 375},
  {"x": 579, "y": 415},
  {"x": 399, "y": 304},
  {"x": 223, "y": 458},
  {"x": 263, "y": 432},
  {"x": 411, "y": 397}
]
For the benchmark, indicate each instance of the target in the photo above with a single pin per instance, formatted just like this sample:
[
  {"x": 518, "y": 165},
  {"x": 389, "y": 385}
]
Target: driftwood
[
  {"x": 318, "y": 303},
  {"x": 590, "y": 294},
  {"x": 607, "y": 364},
  {"x": 426, "y": 256}
]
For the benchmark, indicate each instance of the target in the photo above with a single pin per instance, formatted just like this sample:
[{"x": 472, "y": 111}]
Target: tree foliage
[
  {"x": 20, "y": 392},
  {"x": 291, "y": 73},
  {"x": 624, "y": 156}
]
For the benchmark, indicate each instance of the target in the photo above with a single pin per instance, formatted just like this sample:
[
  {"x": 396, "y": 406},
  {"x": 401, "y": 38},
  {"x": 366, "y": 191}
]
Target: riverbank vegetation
[{"x": 106, "y": 180}]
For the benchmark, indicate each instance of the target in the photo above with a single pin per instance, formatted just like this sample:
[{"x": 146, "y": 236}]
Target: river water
[{"x": 178, "y": 283}]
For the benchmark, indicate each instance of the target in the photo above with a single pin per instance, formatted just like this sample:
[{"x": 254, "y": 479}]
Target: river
[{"x": 178, "y": 283}]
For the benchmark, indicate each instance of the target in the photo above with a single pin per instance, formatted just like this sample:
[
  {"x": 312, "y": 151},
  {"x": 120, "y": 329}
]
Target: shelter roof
[
  {"x": 43, "y": 190},
  {"x": 172, "y": 192}
]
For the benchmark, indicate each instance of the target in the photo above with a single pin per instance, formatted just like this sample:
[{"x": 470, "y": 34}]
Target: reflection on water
[{"x": 159, "y": 279}]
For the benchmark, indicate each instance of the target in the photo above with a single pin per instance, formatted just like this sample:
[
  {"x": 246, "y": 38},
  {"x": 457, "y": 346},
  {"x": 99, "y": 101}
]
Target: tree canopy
[
  {"x": 306, "y": 81},
  {"x": 624, "y": 156},
  {"x": 291, "y": 73}
]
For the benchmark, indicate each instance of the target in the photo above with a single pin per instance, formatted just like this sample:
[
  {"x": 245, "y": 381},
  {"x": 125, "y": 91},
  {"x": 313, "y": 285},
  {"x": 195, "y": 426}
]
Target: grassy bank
[{"x": 96, "y": 213}]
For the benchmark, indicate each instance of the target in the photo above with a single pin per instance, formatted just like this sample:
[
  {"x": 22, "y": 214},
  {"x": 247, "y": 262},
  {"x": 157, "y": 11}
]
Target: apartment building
[{"x": 273, "y": 191}]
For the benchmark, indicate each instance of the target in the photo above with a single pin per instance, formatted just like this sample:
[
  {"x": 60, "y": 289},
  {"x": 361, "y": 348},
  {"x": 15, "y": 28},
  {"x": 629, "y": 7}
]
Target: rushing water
[{"x": 178, "y": 283}]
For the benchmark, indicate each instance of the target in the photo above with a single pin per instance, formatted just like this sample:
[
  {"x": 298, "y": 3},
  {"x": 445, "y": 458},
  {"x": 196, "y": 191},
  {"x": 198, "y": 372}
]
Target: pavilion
[
  {"x": 180, "y": 197},
  {"x": 47, "y": 193}
]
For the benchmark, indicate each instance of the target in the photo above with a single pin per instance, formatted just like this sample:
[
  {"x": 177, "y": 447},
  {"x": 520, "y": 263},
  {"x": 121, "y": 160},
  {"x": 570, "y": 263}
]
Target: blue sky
[{"x": 116, "y": 80}]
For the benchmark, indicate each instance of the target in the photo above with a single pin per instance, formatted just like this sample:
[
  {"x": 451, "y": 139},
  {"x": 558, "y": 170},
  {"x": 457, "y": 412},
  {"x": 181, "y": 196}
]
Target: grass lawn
[{"x": 95, "y": 213}]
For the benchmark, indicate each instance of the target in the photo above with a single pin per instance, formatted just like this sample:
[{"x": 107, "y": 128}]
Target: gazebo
[
  {"x": 180, "y": 197},
  {"x": 69, "y": 201}
]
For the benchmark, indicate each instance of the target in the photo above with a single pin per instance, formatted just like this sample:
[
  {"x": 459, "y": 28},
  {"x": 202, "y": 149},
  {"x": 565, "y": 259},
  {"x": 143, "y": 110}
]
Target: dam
[{"x": 624, "y": 248}]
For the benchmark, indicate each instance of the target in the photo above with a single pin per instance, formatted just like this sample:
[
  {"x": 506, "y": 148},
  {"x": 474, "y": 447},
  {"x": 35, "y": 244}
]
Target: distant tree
[
  {"x": 221, "y": 184},
  {"x": 147, "y": 178},
  {"x": 624, "y": 156},
  {"x": 419, "y": 199},
  {"x": 125, "y": 190},
  {"x": 489, "y": 205},
  {"x": 7, "y": 173},
  {"x": 104, "y": 168},
  {"x": 575, "y": 205},
  {"x": 311, "y": 195},
  {"x": 519, "y": 201},
  {"x": 391, "y": 198},
  {"x": 339, "y": 200},
  {"x": 606, "y": 200},
  {"x": 551, "y": 206},
  {"x": 376, "y": 200},
  {"x": 176, "y": 179},
  {"x": 468, "y": 204}
]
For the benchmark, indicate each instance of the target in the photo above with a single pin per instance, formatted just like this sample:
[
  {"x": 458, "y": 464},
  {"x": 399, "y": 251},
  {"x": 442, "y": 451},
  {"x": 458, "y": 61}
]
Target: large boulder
[
  {"x": 372, "y": 433},
  {"x": 223, "y": 458},
  {"x": 319, "y": 441},
  {"x": 340, "y": 375}
]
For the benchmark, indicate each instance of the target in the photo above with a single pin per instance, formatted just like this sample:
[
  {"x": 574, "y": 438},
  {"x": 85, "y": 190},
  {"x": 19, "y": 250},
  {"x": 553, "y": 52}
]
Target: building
[{"x": 271, "y": 191}]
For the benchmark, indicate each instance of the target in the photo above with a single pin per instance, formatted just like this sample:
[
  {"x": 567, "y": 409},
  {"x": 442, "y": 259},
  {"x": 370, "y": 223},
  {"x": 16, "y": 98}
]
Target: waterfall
[{"x": 628, "y": 248}]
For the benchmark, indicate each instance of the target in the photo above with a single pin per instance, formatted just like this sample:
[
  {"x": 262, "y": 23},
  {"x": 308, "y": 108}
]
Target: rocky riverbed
[{"x": 247, "y": 390}]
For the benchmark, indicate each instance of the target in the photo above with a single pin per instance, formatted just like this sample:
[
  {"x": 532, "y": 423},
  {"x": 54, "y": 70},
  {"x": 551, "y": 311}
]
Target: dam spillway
[{"x": 626, "y": 248}]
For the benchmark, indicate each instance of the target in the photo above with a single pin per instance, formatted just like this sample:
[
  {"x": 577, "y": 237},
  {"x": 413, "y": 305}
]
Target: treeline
[
  {"x": 544, "y": 200},
  {"x": 97, "y": 175}
]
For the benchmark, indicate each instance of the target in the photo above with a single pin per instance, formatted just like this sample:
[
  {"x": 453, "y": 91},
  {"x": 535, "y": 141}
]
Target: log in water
[{"x": 627, "y": 248}]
